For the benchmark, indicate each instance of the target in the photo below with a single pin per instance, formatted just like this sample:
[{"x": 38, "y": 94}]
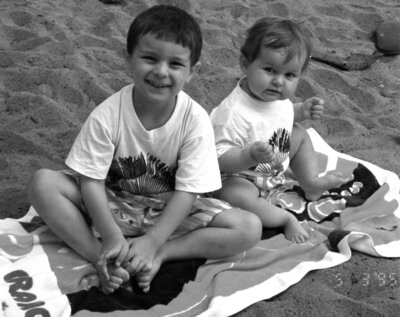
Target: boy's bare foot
[
  {"x": 294, "y": 231},
  {"x": 319, "y": 185},
  {"x": 118, "y": 276},
  {"x": 88, "y": 281},
  {"x": 144, "y": 278}
]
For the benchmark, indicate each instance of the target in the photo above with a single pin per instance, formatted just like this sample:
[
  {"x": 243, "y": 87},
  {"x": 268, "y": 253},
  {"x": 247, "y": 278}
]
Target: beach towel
[{"x": 41, "y": 276}]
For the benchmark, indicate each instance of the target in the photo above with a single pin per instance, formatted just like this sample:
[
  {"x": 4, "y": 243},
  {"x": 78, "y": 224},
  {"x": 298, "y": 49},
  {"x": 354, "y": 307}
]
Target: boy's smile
[
  {"x": 270, "y": 76},
  {"x": 160, "y": 69}
]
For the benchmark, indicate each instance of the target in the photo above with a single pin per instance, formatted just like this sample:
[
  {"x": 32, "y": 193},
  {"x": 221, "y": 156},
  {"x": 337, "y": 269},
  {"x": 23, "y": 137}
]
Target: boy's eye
[
  {"x": 149, "y": 58},
  {"x": 177, "y": 64}
]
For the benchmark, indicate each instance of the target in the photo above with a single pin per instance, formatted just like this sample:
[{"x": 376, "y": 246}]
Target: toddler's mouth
[{"x": 274, "y": 91}]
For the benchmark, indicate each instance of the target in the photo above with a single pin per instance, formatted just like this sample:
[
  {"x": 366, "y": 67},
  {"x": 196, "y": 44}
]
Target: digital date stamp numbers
[{"x": 377, "y": 279}]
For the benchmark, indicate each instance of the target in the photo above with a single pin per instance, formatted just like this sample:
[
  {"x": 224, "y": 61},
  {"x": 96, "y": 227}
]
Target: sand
[{"x": 60, "y": 58}]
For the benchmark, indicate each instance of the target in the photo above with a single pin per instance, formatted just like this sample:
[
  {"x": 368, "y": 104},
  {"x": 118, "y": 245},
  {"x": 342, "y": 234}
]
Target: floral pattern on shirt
[{"x": 143, "y": 175}]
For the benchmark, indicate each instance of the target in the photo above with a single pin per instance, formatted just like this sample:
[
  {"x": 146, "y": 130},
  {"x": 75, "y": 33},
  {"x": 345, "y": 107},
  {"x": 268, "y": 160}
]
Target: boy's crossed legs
[
  {"x": 230, "y": 232},
  {"x": 56, "y": 197}
]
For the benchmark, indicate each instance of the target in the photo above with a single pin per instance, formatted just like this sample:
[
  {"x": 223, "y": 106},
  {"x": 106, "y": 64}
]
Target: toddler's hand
[
  {"x": 312, "y": 108},
  {"x": 261, "y": 152}
]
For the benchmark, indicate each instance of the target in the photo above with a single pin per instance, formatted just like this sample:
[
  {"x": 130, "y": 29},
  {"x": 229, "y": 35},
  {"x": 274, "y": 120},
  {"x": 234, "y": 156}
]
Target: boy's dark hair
[
  {"x": 275, "y": 32},
  {"x": 168, "y": 23}
]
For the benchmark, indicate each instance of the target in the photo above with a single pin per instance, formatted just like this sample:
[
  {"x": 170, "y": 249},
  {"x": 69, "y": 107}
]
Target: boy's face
[
  {"x": 270, "y": 77},
  {"x": 160, "y": 69}
]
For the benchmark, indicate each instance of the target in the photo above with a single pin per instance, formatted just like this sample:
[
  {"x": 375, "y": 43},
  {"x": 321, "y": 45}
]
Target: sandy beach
[{"x": 60, "y": 58}]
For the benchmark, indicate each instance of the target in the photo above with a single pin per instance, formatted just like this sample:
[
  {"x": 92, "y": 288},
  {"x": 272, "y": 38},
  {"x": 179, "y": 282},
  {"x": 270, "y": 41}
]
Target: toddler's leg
[
  {"x": 230, "y": 232},
  {"x": 304, "y": 165},
  {"x": 56, "y": 197},
  {"x": 242, "y": 193}
]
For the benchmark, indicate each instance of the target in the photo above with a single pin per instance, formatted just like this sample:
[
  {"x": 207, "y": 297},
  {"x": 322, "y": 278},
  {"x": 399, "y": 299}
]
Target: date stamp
[{"x": 375, "y": 278}]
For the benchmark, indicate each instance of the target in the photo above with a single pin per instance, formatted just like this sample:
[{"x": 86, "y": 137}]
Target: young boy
[
  {"x": 253, "y": 126},
  {"x": 139, "y": 163}
]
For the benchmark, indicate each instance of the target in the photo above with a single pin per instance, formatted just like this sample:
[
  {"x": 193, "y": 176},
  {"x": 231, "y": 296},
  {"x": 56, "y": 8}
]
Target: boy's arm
[
  {"x": 114, "y": 245},
  {"x": 144, "y": 249},
  {"x": 177, "y": 209}
]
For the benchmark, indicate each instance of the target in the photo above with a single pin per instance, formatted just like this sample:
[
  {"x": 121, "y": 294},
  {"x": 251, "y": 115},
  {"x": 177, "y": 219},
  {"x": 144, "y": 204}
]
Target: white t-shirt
[
  {"x": 180, "y": 155},
  {"x": 240, "y": 120}
]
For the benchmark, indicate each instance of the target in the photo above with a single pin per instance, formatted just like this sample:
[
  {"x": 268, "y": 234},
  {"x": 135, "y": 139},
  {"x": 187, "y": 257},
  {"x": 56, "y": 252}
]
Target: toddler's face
[
  {"x": 270, "y": 77},
  {"x": 159, "y": 69}
]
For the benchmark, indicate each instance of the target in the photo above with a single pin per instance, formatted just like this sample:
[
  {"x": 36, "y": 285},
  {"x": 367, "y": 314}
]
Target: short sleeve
[
  {"x": 198, "y": 169},
  {"x": 93, "y": 149},
  {"x": 227, "y": 138}
]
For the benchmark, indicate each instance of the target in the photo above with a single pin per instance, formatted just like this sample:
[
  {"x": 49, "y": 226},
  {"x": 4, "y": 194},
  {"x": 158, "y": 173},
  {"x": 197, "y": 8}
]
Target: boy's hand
[
  {"x": 261, "y": 152},
  {"x": 142, "y": 251},
  {"x": 312, "y": 108},
  {"x": 114, "y": 250}
]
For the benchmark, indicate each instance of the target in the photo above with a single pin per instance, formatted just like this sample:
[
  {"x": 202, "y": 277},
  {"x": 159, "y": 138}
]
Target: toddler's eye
[{"x": 269, "y": 70}]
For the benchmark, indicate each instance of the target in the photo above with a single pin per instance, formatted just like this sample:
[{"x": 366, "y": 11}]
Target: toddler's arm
[
  {"x": 312, "y": 109},
  {"x": 236, "y": 160}
]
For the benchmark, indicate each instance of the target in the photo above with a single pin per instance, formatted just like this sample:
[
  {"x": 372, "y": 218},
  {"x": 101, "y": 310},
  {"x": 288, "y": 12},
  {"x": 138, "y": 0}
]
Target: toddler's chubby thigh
[{"x": 239, "y": 187}]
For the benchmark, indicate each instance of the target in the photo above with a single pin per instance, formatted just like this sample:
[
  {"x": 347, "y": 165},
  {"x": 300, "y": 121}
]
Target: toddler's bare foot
[
  {"x": 294, "y": 231},
  {"x": 330, "y": 180},
  {"x": 118, "y": 276},
  {"x": 144, "y": 278}
]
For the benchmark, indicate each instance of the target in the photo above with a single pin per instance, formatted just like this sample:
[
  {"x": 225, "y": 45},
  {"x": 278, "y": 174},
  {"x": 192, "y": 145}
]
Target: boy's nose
[{"x": 161, "y": 69}]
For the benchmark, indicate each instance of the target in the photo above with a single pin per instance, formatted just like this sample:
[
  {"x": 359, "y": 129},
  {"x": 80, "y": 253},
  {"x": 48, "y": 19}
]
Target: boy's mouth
[{"x": 157, "y": 84}]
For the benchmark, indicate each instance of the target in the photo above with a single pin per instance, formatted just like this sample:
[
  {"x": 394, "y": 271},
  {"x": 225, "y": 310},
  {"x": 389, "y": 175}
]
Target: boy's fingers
[
  {"x": 144, "y": 267},
  {"x": 115, "y": 280},
  {"x": 136, "y": 264},
  {"x": 122, "y": 255},
  {"x": 147, "y": 268},
  {"x": 102, "y": 269},
  {"x": 110, "y": 287},
  {"x": 139, "y": 265}
]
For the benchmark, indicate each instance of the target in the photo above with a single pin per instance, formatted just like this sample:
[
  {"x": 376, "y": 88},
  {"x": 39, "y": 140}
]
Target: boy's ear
[
  {"x": 127, "y": 58},
  {"x": 244, "y": 63},
  {"x": 195, "y": 69}
]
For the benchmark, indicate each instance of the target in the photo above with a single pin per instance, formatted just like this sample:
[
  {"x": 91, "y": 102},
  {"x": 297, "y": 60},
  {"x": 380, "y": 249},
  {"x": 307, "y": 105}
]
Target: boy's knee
[{"x": 41, "y": 181}]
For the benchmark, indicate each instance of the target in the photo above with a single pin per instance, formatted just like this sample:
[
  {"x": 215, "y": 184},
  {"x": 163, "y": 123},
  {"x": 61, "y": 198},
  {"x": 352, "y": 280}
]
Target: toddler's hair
[
  {"x": 275, "y": 32},
  {"x": 167, "y": 23}
]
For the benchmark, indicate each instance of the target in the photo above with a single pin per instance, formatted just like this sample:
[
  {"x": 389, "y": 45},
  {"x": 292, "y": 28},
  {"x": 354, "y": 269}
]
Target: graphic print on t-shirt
[
  {"x": 141, "y": 175},
  {"x": 280, "y": 143}
]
